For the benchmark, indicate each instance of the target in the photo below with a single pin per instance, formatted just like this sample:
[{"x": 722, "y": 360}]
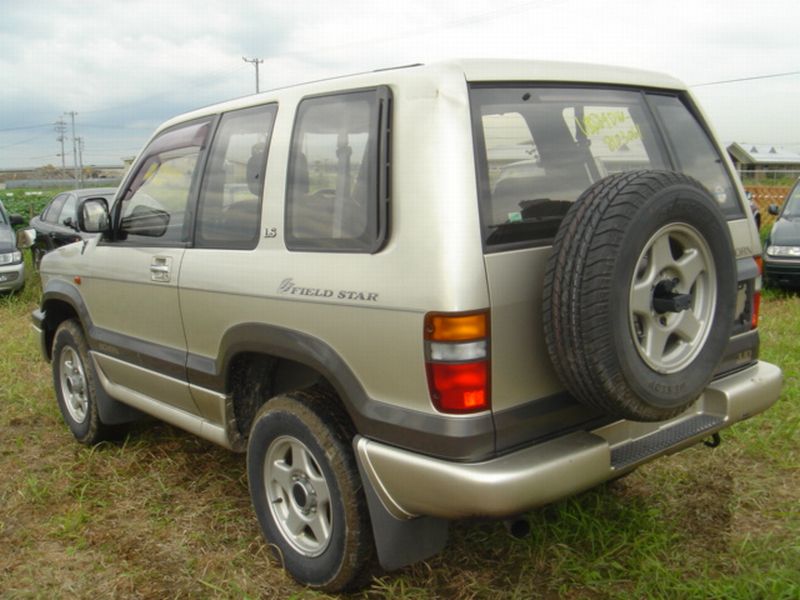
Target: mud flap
[{"x": 401, "y": 542}]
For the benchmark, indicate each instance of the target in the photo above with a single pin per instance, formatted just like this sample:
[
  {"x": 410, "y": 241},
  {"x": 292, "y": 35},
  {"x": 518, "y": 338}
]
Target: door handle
[{"x": 160, "y": 269}]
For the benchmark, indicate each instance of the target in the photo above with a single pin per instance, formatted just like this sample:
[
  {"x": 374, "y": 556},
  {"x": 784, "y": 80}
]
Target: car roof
[
  {"x": 104, "y": 191},
  {"x": 470, "y": 70}
]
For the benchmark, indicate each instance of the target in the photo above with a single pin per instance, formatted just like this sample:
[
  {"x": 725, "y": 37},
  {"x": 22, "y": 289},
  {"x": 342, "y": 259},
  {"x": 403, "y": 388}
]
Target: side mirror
[
  {"x": 773, "y": 209},
  {"x": 16, "y": 220},
  {"x": 26, "y": 238},
  {"x": 93, "y": 216}
]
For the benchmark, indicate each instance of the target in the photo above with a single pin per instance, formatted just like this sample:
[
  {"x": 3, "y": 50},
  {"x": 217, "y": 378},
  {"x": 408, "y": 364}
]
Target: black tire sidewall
[
  {"x": 69, "y": 335},
  {"x": 319, "y": 570},
  {"x": 694, "y": 207}
]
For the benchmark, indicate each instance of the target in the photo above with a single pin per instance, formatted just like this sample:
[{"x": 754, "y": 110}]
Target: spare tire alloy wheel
[
  {"x": 639, "y": 294},
  {"x": 672, "y": 298}
]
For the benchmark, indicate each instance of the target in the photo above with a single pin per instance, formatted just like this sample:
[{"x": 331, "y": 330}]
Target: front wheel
[
  {"x": 306, "y": 490},
  {"x": 76, "y": 385}
]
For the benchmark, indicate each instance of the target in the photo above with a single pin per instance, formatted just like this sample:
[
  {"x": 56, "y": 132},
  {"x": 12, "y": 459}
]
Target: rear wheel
[{"x": 306, "y": 490}]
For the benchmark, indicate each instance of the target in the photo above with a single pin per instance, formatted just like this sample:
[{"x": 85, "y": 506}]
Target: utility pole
[
  {"x": 80, "y": 158},
  {"x": 74, "y": 147},
  {"x": 61, "y": 129},
  {"x": 255, "y": 62}
]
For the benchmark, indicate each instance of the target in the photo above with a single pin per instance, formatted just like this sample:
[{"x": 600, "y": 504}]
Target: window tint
[
  {"x": 230, "y": 199},
  {"x": 335, "y": 193},
  {"x": 695, "y": 154},
  {"x": 540, "y": 148},
  {"x": 792, "y": 205},
  {"x": 67, "y": 217},
  {"x": 51, "y": 216},
  {"x": 155, "y": 210}
]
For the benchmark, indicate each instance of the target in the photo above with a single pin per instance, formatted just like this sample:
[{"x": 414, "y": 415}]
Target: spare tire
[{"x": 639, "y": 294}]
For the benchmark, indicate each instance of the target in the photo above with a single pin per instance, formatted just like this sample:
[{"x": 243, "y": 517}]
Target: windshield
[
  {"x": 539, "y": 148},
  {"x": 792, "y": 208},
  {"x": 3, "y": 220}
]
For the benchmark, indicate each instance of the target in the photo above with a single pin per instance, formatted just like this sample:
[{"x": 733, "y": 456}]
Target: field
[{"x": 162, "y": 514}]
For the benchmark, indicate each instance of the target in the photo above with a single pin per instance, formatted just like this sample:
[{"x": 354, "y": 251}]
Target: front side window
[
  {"x": 229, "y": 208},
  {"x": 156, "y": 207},
  {"x": 540, "y": 148},
  {"x": 336, "y": 192}
]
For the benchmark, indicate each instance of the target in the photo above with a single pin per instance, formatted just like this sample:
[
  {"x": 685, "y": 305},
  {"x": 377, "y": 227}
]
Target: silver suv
[{"x": 415, "y": 295}]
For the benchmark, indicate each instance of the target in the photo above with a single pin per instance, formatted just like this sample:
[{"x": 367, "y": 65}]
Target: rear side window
[
  {"x": 51, "y": 216},
  {"x": 68, "y": 217},
  {"x": 337, "y": 188},
  {"x": 229, "y": 211},
  {"x": 694, "y": 153}
]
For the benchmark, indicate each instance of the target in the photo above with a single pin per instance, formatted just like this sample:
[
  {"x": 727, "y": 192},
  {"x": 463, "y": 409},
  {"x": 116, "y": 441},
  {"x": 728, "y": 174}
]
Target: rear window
[{"x": 539, "y": 148}]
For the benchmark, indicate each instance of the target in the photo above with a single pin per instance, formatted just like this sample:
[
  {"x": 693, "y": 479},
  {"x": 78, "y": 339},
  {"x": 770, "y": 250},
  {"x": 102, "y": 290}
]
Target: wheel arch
[
  {"x": 257, "y": 361},
  {"x": 61, "y": 301}
]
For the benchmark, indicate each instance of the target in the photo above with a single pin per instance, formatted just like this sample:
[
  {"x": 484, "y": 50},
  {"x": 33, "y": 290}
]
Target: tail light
[
  {"x": 457, "y": 361},
  {"x": 757, "y": 293}
]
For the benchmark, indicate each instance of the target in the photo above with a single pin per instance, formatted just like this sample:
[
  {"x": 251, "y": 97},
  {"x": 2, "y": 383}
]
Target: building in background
[{"x": 764, "y": 161}]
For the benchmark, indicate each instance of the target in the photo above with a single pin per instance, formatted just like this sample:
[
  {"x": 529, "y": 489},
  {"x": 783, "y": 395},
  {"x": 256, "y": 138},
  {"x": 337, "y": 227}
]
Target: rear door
[{"x": 538, "y": 148}]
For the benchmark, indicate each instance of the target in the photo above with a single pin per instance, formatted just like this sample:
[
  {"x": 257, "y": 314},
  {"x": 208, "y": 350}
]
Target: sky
[{"x": 124, "y": 67}]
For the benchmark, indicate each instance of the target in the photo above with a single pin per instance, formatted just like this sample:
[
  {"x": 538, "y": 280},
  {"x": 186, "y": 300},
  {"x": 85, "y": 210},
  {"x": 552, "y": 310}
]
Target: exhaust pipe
[
  {"x": 518, "y": 527},
  {"x": 714, "y": 441}
]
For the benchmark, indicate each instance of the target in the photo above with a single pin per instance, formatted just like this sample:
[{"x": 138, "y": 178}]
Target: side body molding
[
  {"x": 464, "y": 439},
  {"x": 468, "y": 438}
]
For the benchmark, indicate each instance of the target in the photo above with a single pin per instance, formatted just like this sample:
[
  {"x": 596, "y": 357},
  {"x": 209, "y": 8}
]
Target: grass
[{"x": 164, "y": 514}]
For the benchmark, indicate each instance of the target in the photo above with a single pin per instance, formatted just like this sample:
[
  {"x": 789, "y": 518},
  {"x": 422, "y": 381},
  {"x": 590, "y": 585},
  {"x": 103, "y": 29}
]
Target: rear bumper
[{"x": 411, "y": 484}]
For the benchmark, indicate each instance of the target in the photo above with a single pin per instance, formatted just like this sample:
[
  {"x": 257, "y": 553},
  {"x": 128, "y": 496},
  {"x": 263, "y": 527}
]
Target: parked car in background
[
  {"x": 57, "y": 225},
  {"x": 12, "y": 268},
  {"x": 755, "y": 209},
  {"x": 782, "y": 250}
]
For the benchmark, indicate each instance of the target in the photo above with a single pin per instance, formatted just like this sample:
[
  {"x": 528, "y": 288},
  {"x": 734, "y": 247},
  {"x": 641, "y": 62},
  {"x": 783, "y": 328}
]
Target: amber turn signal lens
[{"x": 456, "y": 328}]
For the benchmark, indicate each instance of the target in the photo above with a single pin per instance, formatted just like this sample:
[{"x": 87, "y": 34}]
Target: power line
[
  {"x": 25, "y": 127},
  {"x": 36, "y": 137},
  {"x": 753, "y": 78}
]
